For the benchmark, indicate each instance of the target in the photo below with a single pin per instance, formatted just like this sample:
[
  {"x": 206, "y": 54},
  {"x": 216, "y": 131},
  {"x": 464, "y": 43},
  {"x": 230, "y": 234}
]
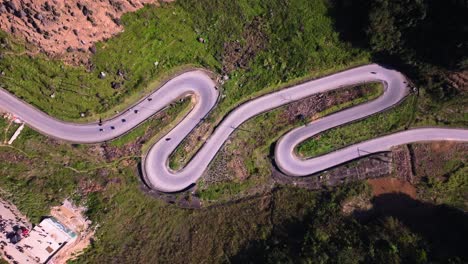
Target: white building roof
[{"x": 46, "y": 238}]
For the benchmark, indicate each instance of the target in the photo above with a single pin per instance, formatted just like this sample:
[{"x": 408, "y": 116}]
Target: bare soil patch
[
  {"x": 388, "y": 185},
  {"x": 66, "y": 29},
  {"x": 442, "y": 146}
]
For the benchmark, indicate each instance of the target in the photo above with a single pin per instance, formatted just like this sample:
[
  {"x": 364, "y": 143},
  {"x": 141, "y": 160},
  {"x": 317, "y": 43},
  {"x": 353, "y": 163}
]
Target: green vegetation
[
  {"x": 396, "y": 119},
  {"x": 168, "y": 35},
  {"x": 250, "y": 145},
  {"x": 216, "y": 191},
  {"x": 272, "y": 124},
  {"x": 412, "y": 35},
  {"x": 38, "y": 172},
  {"x": 176, "y": 111},
  {"x": 325, "y": 235},
  {"x": 280, "y": 43},
  {"x": 62, "y": 170},
  {"x": 443, "y": 171},
  {"x": 452, "y": 191},
  {"x": 168, "y": 38}
]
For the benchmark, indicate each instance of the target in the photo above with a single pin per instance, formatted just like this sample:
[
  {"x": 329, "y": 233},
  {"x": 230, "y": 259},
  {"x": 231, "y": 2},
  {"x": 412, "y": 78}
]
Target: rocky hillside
[{"x": 65, "y": 29}]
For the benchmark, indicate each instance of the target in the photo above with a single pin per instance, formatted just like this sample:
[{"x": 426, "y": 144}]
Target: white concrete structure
[
  {"x": 16, "y": 134},
  {"x": 45, "y": 239}
]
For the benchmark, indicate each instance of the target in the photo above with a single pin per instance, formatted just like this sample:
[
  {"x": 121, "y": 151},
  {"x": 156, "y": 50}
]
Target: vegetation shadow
[{"x": 441, "y": 231}]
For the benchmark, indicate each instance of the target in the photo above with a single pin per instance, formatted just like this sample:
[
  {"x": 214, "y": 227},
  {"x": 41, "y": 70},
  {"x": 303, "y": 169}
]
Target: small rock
[
  {"x": 20, "y": 13},
  {"x": 52, "y": 95},
  {"x": 70, "y": 49},
  {"x": 75, "y": 32},
  {"x": 47, "y": 6},
  {"x": 86, "y": 11},
  {"x": 82, "y": 114},
  {"x": 2, "y": 73},
  {"x": 38, "y": 17},
  {"x": 225, "y": 77},
  {"x": 120, "y": 73},
  {"x": 115, "y": 85},
  {"x": 102, "y": 75},
  {"x": 201, "y": 40},
  {"x": 156, "y": 63},
  {"x": 10, "y": 5},
  {"x": 92, "y": 49},
  {"x": 117, "y": 21},
  {"x": 3, "y": 9}
]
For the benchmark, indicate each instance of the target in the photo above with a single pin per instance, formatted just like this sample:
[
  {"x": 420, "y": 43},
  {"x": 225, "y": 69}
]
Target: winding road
[{"x": 156, "y": 171}]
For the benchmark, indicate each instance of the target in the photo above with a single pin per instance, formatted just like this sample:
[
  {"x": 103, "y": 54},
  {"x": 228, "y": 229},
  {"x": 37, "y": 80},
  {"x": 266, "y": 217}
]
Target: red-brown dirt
[
  {"x": 387, "y": 185},
  {"x": 66, "y": 29}
]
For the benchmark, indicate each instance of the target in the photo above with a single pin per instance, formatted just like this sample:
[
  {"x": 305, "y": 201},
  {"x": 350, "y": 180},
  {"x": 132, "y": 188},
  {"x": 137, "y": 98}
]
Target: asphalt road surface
[{"x": 156, "y": 171}]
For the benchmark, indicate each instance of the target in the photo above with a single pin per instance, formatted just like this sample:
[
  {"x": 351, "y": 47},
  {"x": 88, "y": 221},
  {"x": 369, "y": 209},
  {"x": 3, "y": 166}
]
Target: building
[{"x": 45, "y": 239}]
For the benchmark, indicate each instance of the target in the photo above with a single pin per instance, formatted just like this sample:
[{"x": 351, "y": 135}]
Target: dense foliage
[
  {"x": 284, "y": 41},
  {"x": 396, "y": 230},
  {"x": 425, "y": 38}
]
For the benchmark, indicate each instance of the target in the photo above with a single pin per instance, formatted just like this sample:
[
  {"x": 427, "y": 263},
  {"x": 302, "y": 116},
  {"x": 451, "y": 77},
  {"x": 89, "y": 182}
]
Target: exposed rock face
[{"x": 66, "y": 29}]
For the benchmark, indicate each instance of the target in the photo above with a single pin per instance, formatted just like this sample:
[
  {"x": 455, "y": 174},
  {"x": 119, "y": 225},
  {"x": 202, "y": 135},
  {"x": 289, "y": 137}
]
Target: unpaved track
[{"x": 157, "y": 173}]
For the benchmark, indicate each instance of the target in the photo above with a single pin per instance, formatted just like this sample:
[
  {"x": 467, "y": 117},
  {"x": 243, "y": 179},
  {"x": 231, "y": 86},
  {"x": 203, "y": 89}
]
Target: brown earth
[
  {"x": 442, "y": 146},
  {"x": 74, "y": 218},
  {"x": 66, "y": 29},
  {"x": 237, "y": 165},
  {"x": 389, "y": 185},
  {"x": 459, "y": 80}
]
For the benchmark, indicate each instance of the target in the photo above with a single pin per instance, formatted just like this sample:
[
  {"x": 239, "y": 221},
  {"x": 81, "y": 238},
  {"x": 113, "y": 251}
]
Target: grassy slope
[
  {"x": 393, "y": 120},
  {"x": 136, "y": 227},
  {"x": 253, "y": 140},
  {"x": 168, "y": 38},
  {"x": 414, "y": 111}
]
